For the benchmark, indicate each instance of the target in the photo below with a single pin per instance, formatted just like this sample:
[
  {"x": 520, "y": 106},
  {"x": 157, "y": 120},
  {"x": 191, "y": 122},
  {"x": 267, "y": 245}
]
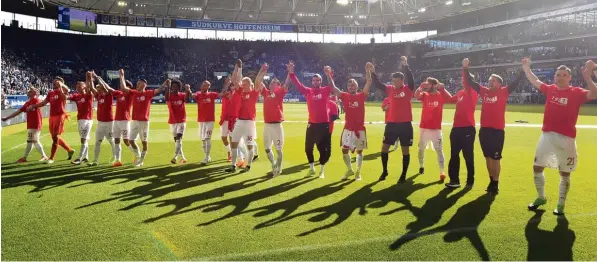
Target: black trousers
[
  {"x": 462, "y": 139},
  {"x": 318, "y": 134}
]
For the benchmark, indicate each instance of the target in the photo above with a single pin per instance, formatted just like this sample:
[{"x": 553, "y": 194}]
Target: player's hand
[
  {"x": 591, "y": 65},
  {"x": 121, "y": 72},
  {"x": 327, "y": 70},
  {"x": 290, "y": 67},
  {"x": 425, "y": 86},
  {"x": 370, "y": 67},
  {"x": 526, "y": 63},
  {"x": 239, "y": 63},
  {"x": 403, "y": 61},
  {"x": 465, "y": 63},
  {"x": 187, "y": 87},
  {"x": 88, "y": 75},
  {"x": 264, "y": 67},
  {"x": 167, "y": 82},
  {"x": 93, "y": 74}
]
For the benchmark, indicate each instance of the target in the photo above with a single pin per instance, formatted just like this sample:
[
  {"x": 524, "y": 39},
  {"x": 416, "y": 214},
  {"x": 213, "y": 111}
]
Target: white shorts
[
  {"x": 33, "y": 134},
  {"x": 205, "y": 130},
  {"x": 273, "y": 134},
  {"x": 103, "y": 130},
  {"x": 556, "y": 151},
  {"x": 224, "y": 130},
  {"x": 121, "y": 129},
  {"x": 433, "y": 136},
  {"x": 178, "y": 128},
  {"x": 246, "y": 130},
  {"x": 351, "y": 141},
  {"x": 84, "y": 128},
  {"x": 139, "y": 128}
]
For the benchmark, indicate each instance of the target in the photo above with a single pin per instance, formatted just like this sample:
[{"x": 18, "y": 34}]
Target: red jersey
[
  {"x": 561, "y": 109},
  {"x": 247, "y": 105},
  {"x": 206, "y": 106},
  {"x": 84, "y": 105},
  {"x": 123, "y": 105},
  {"x": 234, "y": 104},
  {"x": 332, "y": 111},
  {"x": 466, "y": 101},
  {"x": 317, "y": 100},
  {"x": 141, "y": 104},
  {"x": 104, "y": 107},
  {"x": 33, "y": 116},
  {"x": 176, "y": 106},
  {"x": 493, "y": 109},
  {"x": 400, "y": 104},
  {"x": 354, "y": 106},
  {"x": 224, "y": 112},
  {"x": 273, "y": 105},
  {"x": 56, "y": 101},
  {"x": 433, "y": 107},
  {"x": 385, "y": 103}
]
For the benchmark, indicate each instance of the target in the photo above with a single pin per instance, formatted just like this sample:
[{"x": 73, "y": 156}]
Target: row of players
[{"x": 556, "y": 149}]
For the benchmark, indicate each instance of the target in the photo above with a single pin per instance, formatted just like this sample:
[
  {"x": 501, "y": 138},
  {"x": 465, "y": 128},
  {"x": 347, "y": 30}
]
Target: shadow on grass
[{"x": 546, "y": 245}]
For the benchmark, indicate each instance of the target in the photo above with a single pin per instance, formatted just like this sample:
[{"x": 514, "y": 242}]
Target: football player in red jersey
[
  {"x": 354, "y": 135},
  {"x": 493, "y": 110},
  {"x": 177, "y": 117},
  {"x": 399, "y": 126},
  {"x": 206, "y": 115},
  {"x": 34, "y": 119},
  {"x": 105, "y": 118},
  {"x": 385, "y": 106},
  {"x": 245, "y": 125},
  {"x": 557, "y": 144},
  {"x": 224, "y": 117},
  {"x": 273, "y": 116},
  {"x": 431, "y": 122},
  {"x": 318, "y": 128},
  {"x": 84, "y": 100},
  {"x": 57, "y": 100}
]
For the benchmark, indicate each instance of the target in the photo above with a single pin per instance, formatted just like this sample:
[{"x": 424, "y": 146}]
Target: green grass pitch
[{"x": 194, "y": 212}]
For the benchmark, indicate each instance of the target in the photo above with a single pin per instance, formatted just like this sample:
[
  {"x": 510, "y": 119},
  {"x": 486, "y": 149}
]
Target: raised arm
[
  {"x": 103, "y": 83},
  {"x": 259, "y": 79},
  {"x": 526, "y": 66},
  {"x": 159, "y": 89},
  {"x": 516, "y": 83},
  {"x": 15, "y": 113},
  {"x": 89, "y": 82},
  {"x": 367, "y": 87},
  {"x": 237, "y": 74},
  {"x": 590, "y": 66},
  {"x": 286, "y": 84},
  {"x": 187, "y": 91},
  {"x": 409, "y": 78},
  {"x": 299, "y": 86},
  {"x": 64, "y": 90},
  {"x": 123, "y": 87},
  {"x": 421, "y": 89},
  {"x": 328, "y": 73},
  {"x": 467, "y": 79},
  {"x": 168, "y": 83},
  {"x": 446, "y": 95},
  {"x": 375, "y": 81},
  {"x": 225, "y": 87}
]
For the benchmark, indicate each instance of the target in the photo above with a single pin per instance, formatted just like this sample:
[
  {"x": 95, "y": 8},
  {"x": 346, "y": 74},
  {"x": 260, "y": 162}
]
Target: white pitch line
[
  {"x": 430, "y": 230},
  {"x": 20, "y": 145}
]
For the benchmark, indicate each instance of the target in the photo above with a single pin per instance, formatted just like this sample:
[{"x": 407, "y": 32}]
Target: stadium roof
[{"x": 342, "y": 12}]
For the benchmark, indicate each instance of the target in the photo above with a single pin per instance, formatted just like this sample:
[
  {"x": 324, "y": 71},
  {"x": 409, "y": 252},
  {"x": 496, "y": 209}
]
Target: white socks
[
  {"x": 134, "y": 150},
  {"x": 40, "y": 149},
  {"x": 255, "y": 149},
  {"x": 28, "y": 149},
  {"x": 540, "y": 184},
  {"x": 250, "y": 157},
  {"x": 359, "y": 161},
  {"x": 143, "y": 154},
  {"x": 96, "y": 150},
  {"x": 234, "y": 155},
  {"x": 270, "y": 156},
  {"x": 206, "y": 147},
  {"x": 227, "y": 148},
  {"x": 178, "y": 149},
  {"x": 118, "y": 152},
  {"x": 312, "y": 166},
  {"x": 421, "y": 156},
  {"x": 440, "y": 159},
  {"x": 346, "y": 158},
  {"x": 279, "y": 161},
  {"x": 84, "y": 148},
  {"x": 564, "y": 188}
]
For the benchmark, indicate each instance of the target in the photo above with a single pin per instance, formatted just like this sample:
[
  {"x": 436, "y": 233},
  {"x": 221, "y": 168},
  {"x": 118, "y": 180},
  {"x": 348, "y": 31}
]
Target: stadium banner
[
  {"x": 173, "y": 74},
  {"x": 112, "y": 74},
  {"x": 219, "y": 75},
  {"x": 217, "y": 25},
  {"x": 356, "y": 75}
]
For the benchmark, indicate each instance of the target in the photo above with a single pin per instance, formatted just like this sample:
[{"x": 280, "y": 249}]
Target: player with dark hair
[
  {"x": 431, "y": 122},
  {"x": 557, "y": 144},
  {"x": 462, "y": 136},
  {"x": 57, "y": 99},
  {"x": 122, "y": 124},
  {"x": 318, "y": 128},
  {"x": 273, "y": 116},
  {"x": 105, "y": 118},
  {"x": 34, "y": 123},
  {"x": 354, "y": 135},
  {"x": 385, "y": 106},
  {"x": 177, "y": 117},
  {"x": 84, "y": 100},
  {"x": 493, "y": 110},
  {"x": 399, "y": 126}
]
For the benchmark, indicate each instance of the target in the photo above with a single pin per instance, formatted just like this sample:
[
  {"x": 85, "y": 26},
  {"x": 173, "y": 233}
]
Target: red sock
[
  {"x": 54, "y": 149},
  {"x": 64, "y": 145}
]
